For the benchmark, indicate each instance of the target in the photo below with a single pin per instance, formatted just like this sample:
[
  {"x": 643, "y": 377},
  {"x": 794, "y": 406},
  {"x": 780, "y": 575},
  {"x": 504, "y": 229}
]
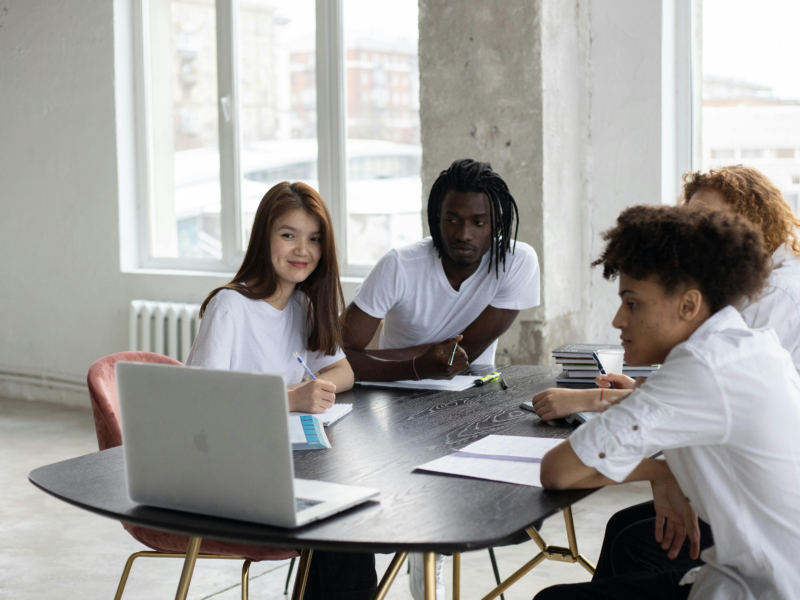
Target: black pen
[
  {"x": 600, "y": 366},
  {"x": 452, "y": 355}
]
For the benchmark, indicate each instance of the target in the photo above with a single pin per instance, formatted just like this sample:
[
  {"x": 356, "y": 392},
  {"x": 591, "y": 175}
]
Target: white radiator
[{"x": 167, "y": 328}]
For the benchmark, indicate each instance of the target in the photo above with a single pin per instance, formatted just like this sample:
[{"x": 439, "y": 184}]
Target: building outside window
[
  {"x": 751, "y": 91},
  {"x": 269, "y": 55}
]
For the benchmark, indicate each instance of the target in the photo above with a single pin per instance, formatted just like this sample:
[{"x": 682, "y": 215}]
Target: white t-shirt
[
  {"x": 725, "y": 410},
  {"x": 239, "y": 334},
  {"x": 409, "y": 290},
  {"x": 779, "y": 305}
]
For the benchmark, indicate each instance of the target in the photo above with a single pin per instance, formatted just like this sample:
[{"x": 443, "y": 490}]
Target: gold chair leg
[
  {"x": 126, "y": 572},
  {"x": 188, "y": 567},
  {"x": 153, "y": 554},
  {"x": 246, "y": 579},
  {"x": 302, "y": 574},
  {"x": 429, "y": 562},
  {"x": 456, "y": 575},
  {"x": 388, "y": 577},
  {"x": 573, "y": 542}
]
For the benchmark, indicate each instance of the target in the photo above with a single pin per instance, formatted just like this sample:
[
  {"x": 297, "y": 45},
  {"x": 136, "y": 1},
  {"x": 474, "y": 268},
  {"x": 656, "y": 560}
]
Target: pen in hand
[
  {"x": 302, "y": 364},
  {"x": 600, "y": 367},
  {"x": 452, "y": 355}
]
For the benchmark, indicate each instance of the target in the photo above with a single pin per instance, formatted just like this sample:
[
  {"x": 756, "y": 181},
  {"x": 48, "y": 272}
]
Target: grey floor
[{"x": 50, "y": 550}]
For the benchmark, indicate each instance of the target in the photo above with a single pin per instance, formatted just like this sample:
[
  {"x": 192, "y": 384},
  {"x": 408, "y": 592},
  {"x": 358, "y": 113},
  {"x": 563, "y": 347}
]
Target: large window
[
  {"x": 236, "y": 96},
  {"x": 751, "y": 89}
]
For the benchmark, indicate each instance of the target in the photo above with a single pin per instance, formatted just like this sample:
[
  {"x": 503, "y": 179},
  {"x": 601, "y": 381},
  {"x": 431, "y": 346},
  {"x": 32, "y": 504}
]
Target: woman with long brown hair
[{"x": 285, "y": 298}]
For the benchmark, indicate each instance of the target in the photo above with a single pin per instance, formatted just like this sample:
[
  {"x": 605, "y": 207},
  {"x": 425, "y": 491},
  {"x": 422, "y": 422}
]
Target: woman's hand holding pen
[
  {"x": 314, "y": 396},
  {"x": 433, "y": 363}
]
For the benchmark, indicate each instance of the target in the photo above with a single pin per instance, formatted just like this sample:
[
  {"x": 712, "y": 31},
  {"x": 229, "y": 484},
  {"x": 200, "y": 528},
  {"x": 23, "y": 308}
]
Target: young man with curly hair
[
  {"x": 629, "y": 545},
  {"x": 724, "y": 409},
  {"x": 748, "y": 192}
]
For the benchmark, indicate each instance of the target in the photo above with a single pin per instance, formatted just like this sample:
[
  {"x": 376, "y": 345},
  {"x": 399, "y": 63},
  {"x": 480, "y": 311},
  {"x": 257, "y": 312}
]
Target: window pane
[
  {"x": 751, "y": 91},
  {"x": 384, "y": 186},
  {"x": 184, "y": 215},
  {"x": 278, "y": 98}
]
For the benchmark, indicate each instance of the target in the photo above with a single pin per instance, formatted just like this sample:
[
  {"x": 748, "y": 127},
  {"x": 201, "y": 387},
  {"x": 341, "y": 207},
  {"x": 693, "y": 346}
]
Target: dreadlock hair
[{"x": 467, "y": 175}]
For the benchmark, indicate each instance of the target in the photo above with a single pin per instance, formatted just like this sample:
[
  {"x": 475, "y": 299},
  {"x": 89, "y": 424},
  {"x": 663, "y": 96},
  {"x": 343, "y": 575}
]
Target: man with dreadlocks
[{"x": 465, "y": 284}]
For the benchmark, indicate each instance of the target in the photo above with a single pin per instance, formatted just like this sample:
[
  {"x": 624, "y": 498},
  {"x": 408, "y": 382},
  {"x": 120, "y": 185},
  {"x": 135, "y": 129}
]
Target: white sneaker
[{"x": 416, "y": 578}]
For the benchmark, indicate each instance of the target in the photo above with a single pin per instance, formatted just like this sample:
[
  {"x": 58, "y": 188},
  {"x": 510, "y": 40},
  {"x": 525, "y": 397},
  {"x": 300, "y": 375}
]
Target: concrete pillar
[{"x": 520, "y": 83}]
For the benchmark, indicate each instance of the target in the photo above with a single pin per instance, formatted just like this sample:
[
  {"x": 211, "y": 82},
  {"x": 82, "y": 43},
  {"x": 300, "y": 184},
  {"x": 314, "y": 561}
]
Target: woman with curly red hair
[{"x": 748, "y": 192}]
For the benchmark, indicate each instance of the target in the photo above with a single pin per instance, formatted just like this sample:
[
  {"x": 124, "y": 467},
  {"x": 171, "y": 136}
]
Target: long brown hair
[
  {"x": 257, "y": 279},
  {"x": 751, "y": 194}
]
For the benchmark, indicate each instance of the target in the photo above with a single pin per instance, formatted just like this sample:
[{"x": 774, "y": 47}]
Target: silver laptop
[{"x": 217, "y": 443}]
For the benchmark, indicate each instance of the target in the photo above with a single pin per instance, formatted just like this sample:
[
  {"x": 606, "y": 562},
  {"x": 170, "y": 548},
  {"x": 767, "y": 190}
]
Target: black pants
[
  {"x": 635, "y": 586},
  {"x": 632, "y": 564},
  {"x": 341, "y": 576},
  {"x": 630, "y": 545}
]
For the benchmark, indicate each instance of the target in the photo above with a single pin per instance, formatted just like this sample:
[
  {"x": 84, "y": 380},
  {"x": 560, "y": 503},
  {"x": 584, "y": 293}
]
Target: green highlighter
[{"x": 493, "y": 376}]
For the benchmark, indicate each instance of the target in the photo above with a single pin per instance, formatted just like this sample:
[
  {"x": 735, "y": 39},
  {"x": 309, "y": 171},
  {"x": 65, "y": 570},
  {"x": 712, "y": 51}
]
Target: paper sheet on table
[
  {"x": 330, "y": 416},
  {"x": 459, "y": 383},
  {"x": 306, "y": 433},
  {"x": 507, "y": 458}
]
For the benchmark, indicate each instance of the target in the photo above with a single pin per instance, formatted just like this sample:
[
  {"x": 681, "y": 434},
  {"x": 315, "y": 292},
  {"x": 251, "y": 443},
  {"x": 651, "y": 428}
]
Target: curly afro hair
[{"x": 719, "y": 253}]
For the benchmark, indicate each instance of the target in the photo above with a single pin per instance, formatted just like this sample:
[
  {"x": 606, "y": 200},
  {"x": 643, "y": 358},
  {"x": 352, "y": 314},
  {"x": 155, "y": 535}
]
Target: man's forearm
[
  {"x": 372, "y": 368},
  {"x": 397, "y": 353}
]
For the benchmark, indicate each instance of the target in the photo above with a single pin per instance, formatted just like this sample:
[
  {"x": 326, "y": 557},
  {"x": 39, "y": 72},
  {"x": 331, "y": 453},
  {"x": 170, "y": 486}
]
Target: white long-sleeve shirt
[
  {"x": 779, "y": 304},
  {"x": 725, "y": 410}
]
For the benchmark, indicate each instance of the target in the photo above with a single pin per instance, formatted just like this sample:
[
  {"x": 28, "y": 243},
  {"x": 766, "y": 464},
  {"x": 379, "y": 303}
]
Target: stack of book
[{"x": 579, "y": 366}]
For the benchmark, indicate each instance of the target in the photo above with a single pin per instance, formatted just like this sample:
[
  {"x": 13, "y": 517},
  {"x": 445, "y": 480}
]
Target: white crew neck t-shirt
[
  {"x": 239, "y": 334},
  {"x": 778, "y": 306},
  {"x": 409, "y": 290},
  {"x": 725, "y": 410}
]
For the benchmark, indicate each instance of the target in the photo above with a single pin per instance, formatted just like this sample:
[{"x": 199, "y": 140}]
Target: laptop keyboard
[{"x": 304, "y": 503}]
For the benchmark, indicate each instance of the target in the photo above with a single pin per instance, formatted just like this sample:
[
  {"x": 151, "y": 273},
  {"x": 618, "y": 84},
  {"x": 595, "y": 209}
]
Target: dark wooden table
[{"x": 388, "y": 434}]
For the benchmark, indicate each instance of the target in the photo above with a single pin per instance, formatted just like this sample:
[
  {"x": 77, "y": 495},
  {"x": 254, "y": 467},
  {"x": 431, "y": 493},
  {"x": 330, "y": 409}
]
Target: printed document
[
  {"x": 459, "y": 383},
  {"x": 507, "y": 458}
]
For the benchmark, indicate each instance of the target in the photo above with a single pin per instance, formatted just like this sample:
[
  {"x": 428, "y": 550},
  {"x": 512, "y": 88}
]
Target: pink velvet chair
[{"x": 105, "y": 406}]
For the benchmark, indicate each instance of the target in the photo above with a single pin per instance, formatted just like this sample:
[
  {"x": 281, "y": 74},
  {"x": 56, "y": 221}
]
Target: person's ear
[{"x": 691, "y": 305}]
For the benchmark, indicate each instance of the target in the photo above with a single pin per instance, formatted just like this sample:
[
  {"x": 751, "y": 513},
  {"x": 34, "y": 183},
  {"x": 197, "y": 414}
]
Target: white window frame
[
  {"x": 331, "y": 136},
  {"x": 681, "y": 93}
]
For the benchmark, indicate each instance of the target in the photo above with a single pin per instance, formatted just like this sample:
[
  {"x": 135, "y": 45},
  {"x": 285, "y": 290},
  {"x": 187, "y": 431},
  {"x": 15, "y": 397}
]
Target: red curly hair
[{"x": 751, "y": 194}]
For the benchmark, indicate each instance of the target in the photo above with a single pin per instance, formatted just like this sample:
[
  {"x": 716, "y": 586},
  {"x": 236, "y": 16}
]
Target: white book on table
[
  {"x": 507, "y": 458},
  {"x": 459, "y": 383},
  {"x": 330, "y": 416}
]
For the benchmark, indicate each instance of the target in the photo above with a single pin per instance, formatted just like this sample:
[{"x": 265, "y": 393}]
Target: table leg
[
  {"x": 516, "y": 576},
  {"x": 388, "y": 577},
  {"x": 188, "y": 567},
  {"x": 302, "y": 574},
  {"x": 429, "y": 561},
  {"x": 573, "y": 542},
  {"x": 456, "y": 575}
]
